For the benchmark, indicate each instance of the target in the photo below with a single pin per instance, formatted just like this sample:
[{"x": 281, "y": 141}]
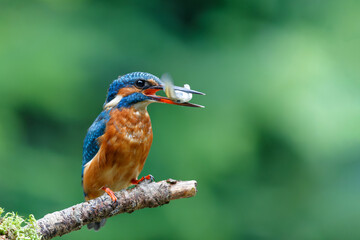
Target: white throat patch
[
  {"x": 141, "y": 106},
  {"x": 113, "y": 102}
]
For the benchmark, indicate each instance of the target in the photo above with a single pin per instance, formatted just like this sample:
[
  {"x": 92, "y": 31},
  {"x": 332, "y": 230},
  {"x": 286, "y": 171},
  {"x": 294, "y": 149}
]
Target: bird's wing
[{"x": 91, "y": 145}]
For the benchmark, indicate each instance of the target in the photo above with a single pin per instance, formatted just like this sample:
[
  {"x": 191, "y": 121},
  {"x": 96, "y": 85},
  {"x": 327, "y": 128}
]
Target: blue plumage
[
  {"x": 91, "y": 146},
  {"x": 127, "y": 80},
  {"x": 128, "y": 101}
]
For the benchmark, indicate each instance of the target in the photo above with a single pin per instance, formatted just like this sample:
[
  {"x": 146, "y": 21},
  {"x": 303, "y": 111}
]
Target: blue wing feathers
[{"x": 91, "y": 145}]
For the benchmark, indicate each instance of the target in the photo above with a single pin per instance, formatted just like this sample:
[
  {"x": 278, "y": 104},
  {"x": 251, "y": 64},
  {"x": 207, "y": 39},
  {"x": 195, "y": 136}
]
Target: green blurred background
[{"x": 275, "y": 152}]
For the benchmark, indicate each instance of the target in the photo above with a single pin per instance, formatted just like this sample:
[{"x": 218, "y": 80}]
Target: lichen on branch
[{"x": 12, "y": 226}]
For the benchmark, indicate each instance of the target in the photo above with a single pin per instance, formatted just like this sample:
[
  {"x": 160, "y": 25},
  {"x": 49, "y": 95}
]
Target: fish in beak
[{"x": 174, "y": 94}]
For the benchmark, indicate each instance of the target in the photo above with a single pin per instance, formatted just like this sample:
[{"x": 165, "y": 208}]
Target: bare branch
[{"x": 144, "y": 195}]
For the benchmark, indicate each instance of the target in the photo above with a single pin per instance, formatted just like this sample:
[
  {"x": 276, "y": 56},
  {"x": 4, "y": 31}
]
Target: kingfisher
[{"x": 119, "y": 140}]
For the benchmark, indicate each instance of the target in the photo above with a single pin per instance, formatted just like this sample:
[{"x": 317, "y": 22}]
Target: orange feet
[
  {"x": 148, "y": 177},
  {"x": 110, "y": 193}
]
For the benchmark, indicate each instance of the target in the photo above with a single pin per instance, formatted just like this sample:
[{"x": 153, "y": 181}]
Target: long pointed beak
[
  {"x": 150, "y": 92},
  {"x": 176, "y": 88},
  {"x": 169, "y": 101}
]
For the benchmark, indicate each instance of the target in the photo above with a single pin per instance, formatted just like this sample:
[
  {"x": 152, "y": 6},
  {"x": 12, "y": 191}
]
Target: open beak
[{"x": 151, "y": 92}]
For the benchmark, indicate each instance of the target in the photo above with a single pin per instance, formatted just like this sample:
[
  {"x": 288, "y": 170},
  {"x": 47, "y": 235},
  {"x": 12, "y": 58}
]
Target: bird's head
[{"x": 139, "y": 89}]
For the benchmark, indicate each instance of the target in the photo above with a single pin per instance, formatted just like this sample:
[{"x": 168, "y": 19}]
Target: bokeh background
[{"x": 276, "y": 151}]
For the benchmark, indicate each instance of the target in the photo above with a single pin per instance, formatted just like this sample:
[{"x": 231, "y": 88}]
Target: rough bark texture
[{"x": 144, "y": 195}]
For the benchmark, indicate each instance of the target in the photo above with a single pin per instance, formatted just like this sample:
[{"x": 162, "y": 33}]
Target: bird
[{"x": 118, "y": 141}]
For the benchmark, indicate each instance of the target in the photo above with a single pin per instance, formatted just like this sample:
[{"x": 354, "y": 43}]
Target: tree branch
[{"x": 144, "y": 195}]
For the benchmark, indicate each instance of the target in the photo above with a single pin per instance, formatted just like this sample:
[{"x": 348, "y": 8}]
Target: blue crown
[{"x": 127, "y": 80}]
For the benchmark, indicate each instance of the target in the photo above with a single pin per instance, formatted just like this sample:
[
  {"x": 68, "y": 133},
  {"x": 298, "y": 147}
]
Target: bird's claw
[
  {"x": 150, "y": 178},
  {"x": 110, "y": 193},
  {"x": 147, "y": 179}
]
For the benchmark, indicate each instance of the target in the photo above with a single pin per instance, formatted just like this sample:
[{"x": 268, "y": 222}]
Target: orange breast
[{"x": 124, "y": 148}]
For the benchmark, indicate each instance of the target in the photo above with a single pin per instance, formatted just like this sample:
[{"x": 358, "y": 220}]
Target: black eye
[{"x": 140, "y": 83}]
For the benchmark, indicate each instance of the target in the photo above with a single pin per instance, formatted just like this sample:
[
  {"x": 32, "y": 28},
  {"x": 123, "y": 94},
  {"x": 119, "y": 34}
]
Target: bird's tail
[{"x": 97, "y": 225}]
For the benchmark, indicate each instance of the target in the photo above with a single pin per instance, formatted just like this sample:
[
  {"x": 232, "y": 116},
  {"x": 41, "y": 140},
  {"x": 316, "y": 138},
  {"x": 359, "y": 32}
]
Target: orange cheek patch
[
  {"x": 152, "y": 82},
  {"x": 150, "y": 91},
  {"x": 127, "y": 91}
]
